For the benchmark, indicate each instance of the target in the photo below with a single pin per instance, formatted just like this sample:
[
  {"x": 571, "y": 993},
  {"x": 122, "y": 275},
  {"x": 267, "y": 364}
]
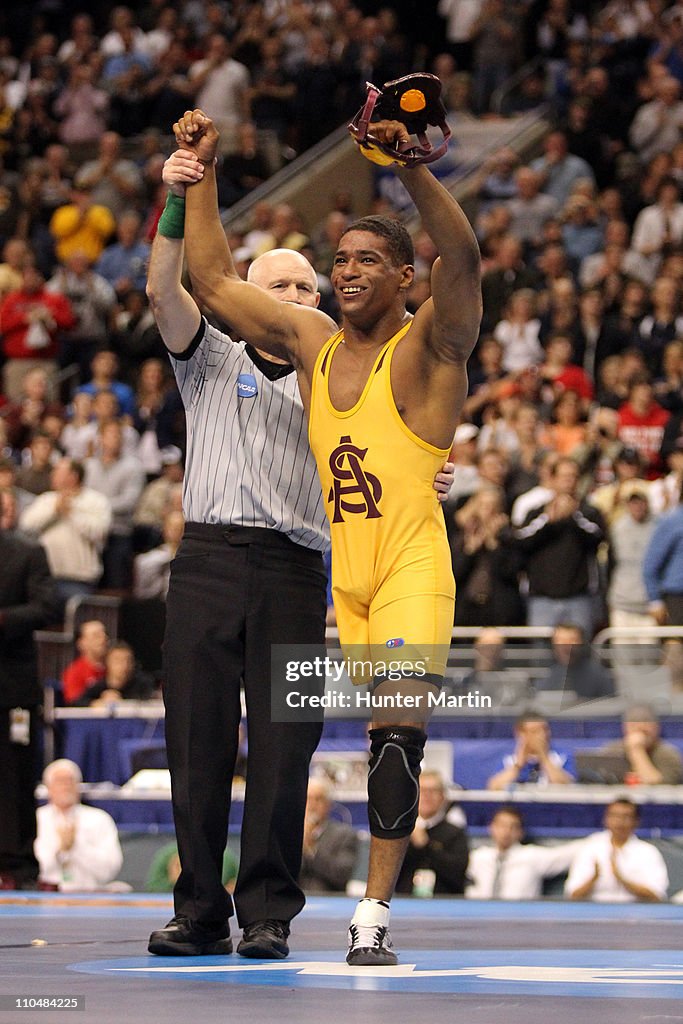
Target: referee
[{"x": 248, "y": 574}]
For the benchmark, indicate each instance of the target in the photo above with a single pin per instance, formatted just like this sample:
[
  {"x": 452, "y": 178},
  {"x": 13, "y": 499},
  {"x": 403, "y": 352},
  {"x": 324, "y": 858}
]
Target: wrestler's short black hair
[{"x": 400, "y": 242}]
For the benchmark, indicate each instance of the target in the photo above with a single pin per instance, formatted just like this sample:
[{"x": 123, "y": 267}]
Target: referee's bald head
[{"x": 287, "y": 275}]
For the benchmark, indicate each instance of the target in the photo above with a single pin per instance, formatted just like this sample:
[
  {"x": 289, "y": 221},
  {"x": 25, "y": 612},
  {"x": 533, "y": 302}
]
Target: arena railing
[
  {"x": 472, "y": 632},
  {"x": 83, "y": 608},
  {"x": 646, "y": 660},
  {"x": 529, "y": 650},
  {"x": 625, "y": 633},
  {"x": 511, "y": 84},
  {"x": 54, "y": 651},
  {"x": 309, "y": 181}
]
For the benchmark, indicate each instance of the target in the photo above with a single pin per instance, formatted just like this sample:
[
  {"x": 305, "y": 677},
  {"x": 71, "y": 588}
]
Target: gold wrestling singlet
[{"x": 392, "y": 581}]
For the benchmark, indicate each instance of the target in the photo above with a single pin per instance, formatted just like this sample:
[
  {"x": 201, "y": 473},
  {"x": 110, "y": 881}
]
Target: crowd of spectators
[
  {"x": 569, "y": 463},
  {"x": 571, "y": 446},
  {"x": 77, "y": 848},
  {"x": 612, "y": 865},
  {"x": 91, "y": 423}
]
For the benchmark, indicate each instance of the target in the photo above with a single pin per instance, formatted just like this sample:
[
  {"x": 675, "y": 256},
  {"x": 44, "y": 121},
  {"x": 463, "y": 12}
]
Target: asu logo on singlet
[{"x": 350, "y": 479}]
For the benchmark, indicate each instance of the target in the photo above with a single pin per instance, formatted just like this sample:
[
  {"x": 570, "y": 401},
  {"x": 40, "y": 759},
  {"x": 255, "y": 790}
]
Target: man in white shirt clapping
[
  {"x": 615, "y": 866},
  {"x": 77, "y": 847}
]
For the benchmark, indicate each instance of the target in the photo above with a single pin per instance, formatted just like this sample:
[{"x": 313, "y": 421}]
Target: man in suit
[
  {"x": 27, "y": 602},
  {"x": 438, "y": 843}
]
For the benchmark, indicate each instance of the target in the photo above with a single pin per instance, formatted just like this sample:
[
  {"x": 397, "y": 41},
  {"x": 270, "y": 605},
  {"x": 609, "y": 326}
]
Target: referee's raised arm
[{"x": 277, "y": 328}]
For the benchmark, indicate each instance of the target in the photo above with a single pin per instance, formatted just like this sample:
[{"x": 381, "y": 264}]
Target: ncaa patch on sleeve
[{"x": 246, "y": 386}]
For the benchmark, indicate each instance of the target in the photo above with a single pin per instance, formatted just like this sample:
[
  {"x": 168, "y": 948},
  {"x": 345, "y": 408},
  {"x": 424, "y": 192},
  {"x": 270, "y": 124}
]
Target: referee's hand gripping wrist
[{"x": 181, "y": 169}]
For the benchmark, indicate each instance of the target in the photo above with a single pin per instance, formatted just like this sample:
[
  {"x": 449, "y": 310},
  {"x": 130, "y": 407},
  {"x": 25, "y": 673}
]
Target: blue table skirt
[
  {"x": 98, "y": 745},
  {"x": 542, "y": 818},
  {"x": 104, "y": 747}
]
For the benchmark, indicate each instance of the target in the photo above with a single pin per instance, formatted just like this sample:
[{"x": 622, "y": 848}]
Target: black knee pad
[{"x": 393, "y": 791}]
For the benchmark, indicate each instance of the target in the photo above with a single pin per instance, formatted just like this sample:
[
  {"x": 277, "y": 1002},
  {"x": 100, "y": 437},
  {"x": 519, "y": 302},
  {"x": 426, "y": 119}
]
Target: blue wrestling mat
[
  {"x": 577, "y": 972},
  {"x": 508, "y": 962}
]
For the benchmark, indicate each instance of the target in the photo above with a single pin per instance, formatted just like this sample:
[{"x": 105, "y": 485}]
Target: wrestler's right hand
[
  {"x": 196, "y": 132},
  {"x": 182, "y": 168}
]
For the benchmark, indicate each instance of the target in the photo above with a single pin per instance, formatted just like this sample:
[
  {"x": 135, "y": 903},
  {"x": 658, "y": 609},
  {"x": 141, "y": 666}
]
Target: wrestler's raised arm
[
  {"x": 456, "y": 275},
  {"x": 252, "y": 313}
]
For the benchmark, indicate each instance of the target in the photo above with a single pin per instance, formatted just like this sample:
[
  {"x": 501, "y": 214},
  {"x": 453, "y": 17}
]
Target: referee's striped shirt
[{"x": 248, "y": 462}]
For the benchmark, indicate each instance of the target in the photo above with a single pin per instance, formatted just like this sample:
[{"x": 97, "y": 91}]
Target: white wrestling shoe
[
  {"x": 370, "y": 943},
  {"x": 370, "y": 946}
]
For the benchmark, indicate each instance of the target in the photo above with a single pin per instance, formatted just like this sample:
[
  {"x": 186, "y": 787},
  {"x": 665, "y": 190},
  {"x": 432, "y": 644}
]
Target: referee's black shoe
[
  {"x": 265, "y": 940},
  {"x": 181, "y": 937}
]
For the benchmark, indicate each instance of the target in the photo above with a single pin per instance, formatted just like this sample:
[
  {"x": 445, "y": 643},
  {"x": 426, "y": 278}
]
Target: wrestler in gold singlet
[
  {"x": 391, "y": 566},
  {"x": 393, "y": 585}
]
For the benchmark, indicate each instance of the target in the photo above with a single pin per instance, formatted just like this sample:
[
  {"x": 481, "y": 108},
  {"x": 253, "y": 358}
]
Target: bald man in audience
[
  {"x": 77, "y": 847},
  {"x": 438, "y": 844}
]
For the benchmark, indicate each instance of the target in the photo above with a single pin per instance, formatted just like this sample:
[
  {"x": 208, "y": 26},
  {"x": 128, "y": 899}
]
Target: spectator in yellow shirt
[{"x": 81, "y": 226}]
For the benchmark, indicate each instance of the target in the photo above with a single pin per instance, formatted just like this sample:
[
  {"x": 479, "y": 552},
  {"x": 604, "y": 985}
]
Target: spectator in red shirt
[
  {"x": 641, "y": 424},
  {"x": 89, "y": 667},
  {"x": 559, "y": 371},
  {"x": 30, "y": 321}
]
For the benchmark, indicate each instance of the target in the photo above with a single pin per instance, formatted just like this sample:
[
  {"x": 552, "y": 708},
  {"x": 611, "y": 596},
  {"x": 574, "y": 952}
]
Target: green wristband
[{"x": 172, "y": 221}]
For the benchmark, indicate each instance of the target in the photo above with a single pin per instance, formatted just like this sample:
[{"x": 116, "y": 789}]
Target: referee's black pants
[{"x": 234, "y": 591}]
